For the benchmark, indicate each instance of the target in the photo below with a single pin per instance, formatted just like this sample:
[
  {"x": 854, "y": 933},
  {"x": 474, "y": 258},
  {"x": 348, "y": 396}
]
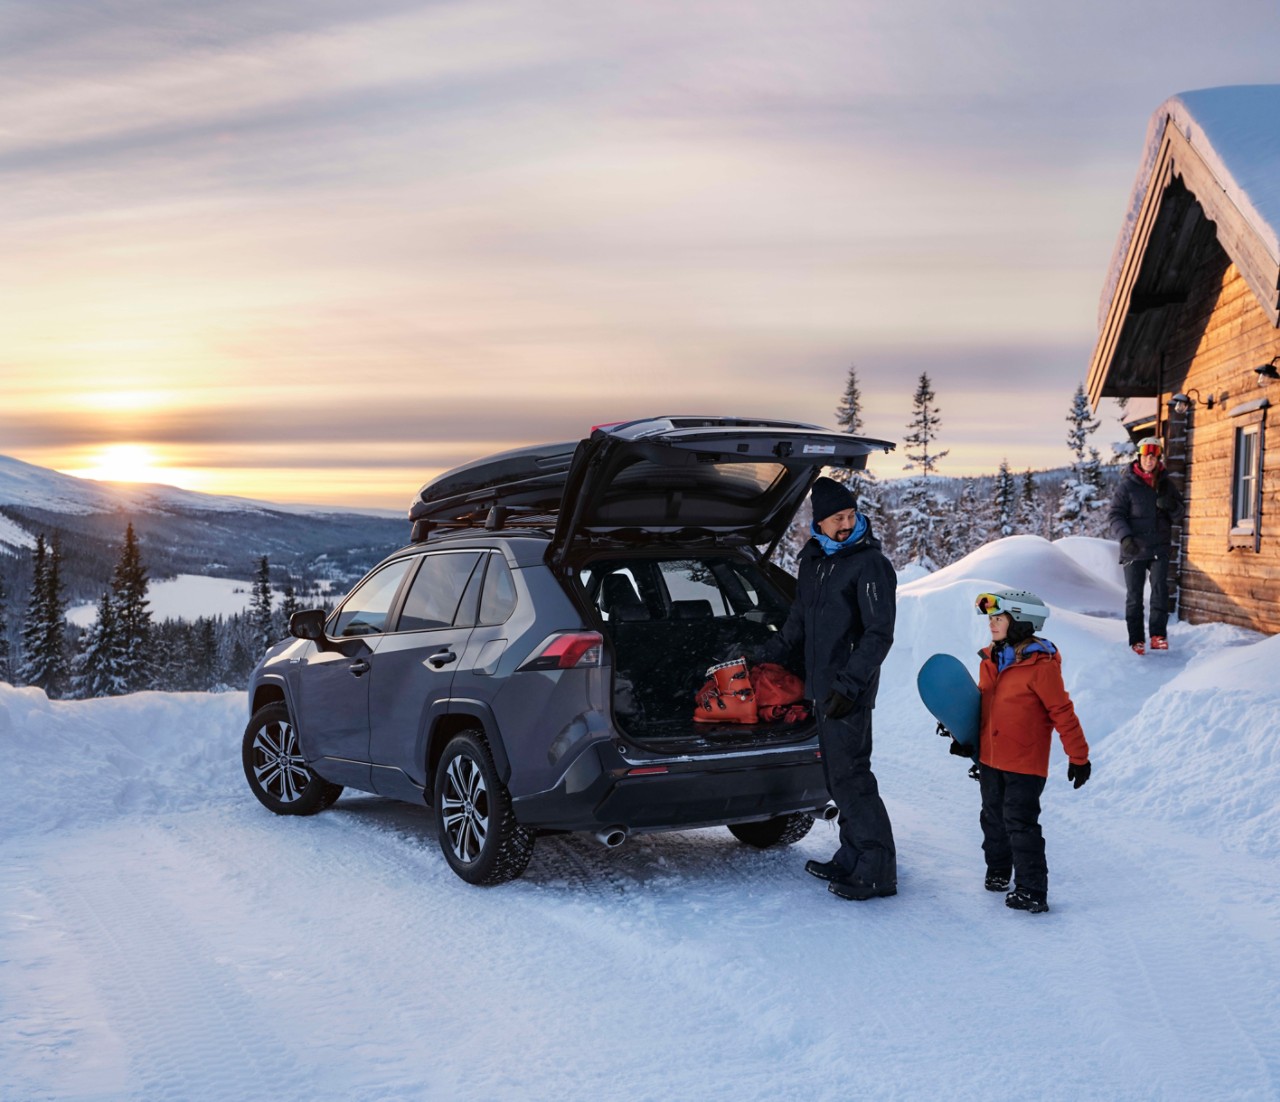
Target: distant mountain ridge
[{"x": 179, "y": 532}]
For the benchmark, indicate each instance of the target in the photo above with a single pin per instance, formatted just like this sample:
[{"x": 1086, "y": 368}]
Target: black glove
[
  {"x": 1078, "y": 773},
  {"x": 1130, "y": 547},
  {"x": 1166, "y": 503},
  {"x": 837, "y": 705},
  {"x": 960, "y": 749}
]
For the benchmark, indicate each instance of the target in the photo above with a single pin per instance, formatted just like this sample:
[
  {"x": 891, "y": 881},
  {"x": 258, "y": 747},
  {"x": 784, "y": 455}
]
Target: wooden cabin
[{"x": 1190, "y": 315}]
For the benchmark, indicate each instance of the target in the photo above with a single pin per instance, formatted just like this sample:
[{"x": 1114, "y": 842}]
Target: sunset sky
[{"x": 321, "y": 250}]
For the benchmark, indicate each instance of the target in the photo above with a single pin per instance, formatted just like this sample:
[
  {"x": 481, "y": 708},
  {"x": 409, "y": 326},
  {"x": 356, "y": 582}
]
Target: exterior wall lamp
[
  {"x": 1267, "y": 372},
  {"x": 1180, "y": 402}
]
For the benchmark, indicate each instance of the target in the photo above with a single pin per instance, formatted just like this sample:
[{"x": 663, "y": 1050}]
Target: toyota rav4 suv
[{"x": 528, "y": 663}]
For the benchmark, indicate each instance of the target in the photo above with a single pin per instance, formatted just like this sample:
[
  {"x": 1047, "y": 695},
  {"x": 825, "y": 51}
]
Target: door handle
[
  {"x": 358, "y": 667},
  {"x": 442, "y": 658}
]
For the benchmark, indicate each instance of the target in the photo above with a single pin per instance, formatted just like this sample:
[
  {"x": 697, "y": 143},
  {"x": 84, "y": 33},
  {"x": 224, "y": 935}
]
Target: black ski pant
[
  {"x": 866, "y": 837},
  {"x": 1011, "y": 835},
  {"x": 1135, "y": 575}
]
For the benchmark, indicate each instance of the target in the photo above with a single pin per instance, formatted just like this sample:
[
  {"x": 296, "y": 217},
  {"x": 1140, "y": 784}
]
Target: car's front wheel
[
  {"x": 785, "y": 830},
  {"x": 275, "y": 768},
  {"x": 479, "y": 834}
]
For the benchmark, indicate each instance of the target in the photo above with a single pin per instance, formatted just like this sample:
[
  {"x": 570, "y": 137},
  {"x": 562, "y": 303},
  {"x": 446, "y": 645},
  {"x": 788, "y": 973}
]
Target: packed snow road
[{"x": 162, "y": 936}]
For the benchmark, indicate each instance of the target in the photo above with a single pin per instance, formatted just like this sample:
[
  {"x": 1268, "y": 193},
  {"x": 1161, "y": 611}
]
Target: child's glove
[
  {"x": 960, "y": 749},
  {"x": 1078, "y": 773}
]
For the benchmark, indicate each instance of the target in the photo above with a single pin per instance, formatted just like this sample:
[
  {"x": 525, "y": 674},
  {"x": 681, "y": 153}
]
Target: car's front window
[{"x": 364, "y": 612}]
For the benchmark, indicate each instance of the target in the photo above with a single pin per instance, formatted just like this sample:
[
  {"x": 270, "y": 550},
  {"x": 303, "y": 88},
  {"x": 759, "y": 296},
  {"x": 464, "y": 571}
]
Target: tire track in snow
[{"x": 192, "y": 1030}]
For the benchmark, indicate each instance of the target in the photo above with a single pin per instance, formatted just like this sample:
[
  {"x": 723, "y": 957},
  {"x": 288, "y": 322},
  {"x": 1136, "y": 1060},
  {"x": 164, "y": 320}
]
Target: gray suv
[{"x": 527, "y": 664}]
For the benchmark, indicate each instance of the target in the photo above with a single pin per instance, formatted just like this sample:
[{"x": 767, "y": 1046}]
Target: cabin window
[{"x": 1244, "y": 489}]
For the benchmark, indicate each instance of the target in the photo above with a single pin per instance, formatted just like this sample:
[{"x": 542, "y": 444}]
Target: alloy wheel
[
  {"x": 465, "y": 808},
  {"x": 278, "y": 764}
]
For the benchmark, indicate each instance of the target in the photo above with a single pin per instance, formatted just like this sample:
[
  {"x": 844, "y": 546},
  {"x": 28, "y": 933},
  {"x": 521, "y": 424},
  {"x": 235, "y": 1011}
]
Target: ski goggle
[
  {"x": 1150, "y": 449},
  {"x": 988, "y": 604}
]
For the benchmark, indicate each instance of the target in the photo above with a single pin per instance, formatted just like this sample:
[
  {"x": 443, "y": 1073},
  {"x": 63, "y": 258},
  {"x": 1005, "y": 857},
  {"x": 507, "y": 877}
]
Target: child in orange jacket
[{"x": 1023, "y": 701}]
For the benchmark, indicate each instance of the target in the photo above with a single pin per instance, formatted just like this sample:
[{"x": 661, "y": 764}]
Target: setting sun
[{"x": 124, "y": 463}]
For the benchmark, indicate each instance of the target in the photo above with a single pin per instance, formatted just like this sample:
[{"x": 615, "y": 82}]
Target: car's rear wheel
[
  {"x": 785, "y": 830},
  {"x": 478, "y": 831},
  {"x": 275, "y": 769}
]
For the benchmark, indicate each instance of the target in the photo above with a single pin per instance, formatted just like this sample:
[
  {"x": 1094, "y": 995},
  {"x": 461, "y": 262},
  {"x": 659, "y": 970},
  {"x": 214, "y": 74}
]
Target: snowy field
[{"x": 162, "y": 936}]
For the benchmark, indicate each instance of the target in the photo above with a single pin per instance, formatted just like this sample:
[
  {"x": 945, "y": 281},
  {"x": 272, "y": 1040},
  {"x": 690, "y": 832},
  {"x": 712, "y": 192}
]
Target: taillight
[{"x": 568, "y": 650}]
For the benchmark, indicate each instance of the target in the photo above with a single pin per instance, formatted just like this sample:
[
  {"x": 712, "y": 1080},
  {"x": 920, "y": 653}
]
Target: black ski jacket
[
  {"x": 840, "y": 627},
  {"x": 1134, "y": 513}
]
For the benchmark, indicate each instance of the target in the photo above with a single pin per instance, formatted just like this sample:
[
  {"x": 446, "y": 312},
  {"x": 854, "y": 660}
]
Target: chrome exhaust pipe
[
  {"x": 825, "y": 813},
  {"x": 611, "y": 837}
]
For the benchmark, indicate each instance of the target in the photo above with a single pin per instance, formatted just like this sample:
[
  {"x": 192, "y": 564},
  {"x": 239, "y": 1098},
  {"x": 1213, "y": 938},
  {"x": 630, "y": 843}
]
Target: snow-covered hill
[
  {"x": 24, "y": 484},
  {"x": 162, "y": 936}
]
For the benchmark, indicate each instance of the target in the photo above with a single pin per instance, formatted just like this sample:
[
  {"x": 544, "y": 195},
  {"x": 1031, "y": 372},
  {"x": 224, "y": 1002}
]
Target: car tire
[
  {"x": 478, "y": 831},
  {"x": 275, "y": 769},
  {"x": 785, "y": 830}
]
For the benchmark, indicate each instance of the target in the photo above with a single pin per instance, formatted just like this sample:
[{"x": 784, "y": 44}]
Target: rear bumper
[{"x": 602, "y": 789}]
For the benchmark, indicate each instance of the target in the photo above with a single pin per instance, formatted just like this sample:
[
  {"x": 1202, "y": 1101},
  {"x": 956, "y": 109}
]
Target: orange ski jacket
[{"x": 1020, "y": 709}]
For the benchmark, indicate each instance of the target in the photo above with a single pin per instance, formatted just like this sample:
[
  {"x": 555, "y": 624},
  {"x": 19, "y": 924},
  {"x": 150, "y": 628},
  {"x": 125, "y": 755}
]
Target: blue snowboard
[{"x": 948, "y": 691}]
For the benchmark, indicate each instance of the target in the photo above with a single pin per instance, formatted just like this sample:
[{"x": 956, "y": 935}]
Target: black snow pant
[
  {"x": 1135, "y": 575},
  {"x": 1011, "y": 835},
  {"x": 866, "y": 837}
]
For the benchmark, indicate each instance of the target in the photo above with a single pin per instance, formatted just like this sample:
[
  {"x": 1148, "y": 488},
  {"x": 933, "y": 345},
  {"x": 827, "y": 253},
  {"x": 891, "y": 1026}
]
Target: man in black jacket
[
  {"x": 841, "y": 625},
  {"x": 1142, "y": 513}
]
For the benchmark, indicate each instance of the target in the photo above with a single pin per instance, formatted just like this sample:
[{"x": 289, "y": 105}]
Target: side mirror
[{"x": 307, "y": 624}]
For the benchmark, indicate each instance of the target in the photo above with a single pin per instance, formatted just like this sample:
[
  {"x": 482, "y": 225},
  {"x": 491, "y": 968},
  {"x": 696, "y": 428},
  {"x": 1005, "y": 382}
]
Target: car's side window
[
  {"x": 437, "y": 588},
  {"x": 364, "y": 612},
  {"x": 499, "y": 599}
]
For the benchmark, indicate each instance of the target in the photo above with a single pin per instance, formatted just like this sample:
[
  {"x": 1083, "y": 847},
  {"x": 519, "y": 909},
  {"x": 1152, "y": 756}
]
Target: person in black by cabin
[
  {"x": 839, "y": 631},
  {"x": 1143, "y": 510}
]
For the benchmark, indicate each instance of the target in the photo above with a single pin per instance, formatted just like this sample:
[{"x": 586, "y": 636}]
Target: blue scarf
[
  {"x": 831, "y": 546},
  {"x": 1004, "y": 655}
]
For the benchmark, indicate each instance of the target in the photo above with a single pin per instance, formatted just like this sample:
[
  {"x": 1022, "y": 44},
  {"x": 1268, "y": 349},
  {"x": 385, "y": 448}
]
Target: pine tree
[
  {"x": 1082, "y": 488},
  {"x": 921, "y": 538},
  {"x": 132, "y": 615},
  {"x": 260, "y": 605},
  {"x": 99, "y": 668},
  {"x": 1006, "y": 502},
  {"x": 288, "y": 603},
  {"x": 1030, "y": 510},
  {"x": 44, "y": 653},
  {"x": 6, "y": 674},
  {"x": 967, "y": 528},
  {"x": 863, "y": 483}
]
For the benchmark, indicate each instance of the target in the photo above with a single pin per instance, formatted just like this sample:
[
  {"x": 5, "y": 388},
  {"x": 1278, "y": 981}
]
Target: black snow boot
[
  {"x": 998, "y": 880},
  {"x": 1023, "y": 899},
  {"x": 854, "y": 887},
  {"x": 824, "y": 870}
]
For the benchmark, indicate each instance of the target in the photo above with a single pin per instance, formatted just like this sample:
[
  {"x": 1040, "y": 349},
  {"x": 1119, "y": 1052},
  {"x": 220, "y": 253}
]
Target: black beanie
[{"x": 829, "y": 496}]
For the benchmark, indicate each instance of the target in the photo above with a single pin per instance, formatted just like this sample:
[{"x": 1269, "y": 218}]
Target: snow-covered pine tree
[
  {"x": 920, "y": 508},
  {"x": 260, "y": 606},
  {"x": 1031, "y": 518},
  {"x": 967, "y": 527},
  {"x": 1006, "y": 502},
  {"x": 98, "y": 668},
  {"x": 1082, "y": 488},
  {"x": 44, "y": 652},
  {"x": 6, "y": 674},
  {"x": 132, "y": 615}
]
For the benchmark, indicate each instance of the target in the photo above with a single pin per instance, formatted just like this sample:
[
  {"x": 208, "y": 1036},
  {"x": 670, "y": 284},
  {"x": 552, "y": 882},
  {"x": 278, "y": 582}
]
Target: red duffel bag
[{"x": 779, "y": 694}]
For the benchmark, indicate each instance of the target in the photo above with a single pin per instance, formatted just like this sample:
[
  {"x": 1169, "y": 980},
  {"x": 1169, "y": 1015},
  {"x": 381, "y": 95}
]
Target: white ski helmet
[
  {"x": 1021, "y": 605},
  {"x": 1150, "y": 444}
]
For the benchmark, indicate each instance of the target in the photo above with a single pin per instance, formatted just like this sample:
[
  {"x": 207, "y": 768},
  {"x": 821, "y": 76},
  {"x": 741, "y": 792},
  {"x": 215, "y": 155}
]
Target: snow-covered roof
[{"x": 1236, "y": 132}]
